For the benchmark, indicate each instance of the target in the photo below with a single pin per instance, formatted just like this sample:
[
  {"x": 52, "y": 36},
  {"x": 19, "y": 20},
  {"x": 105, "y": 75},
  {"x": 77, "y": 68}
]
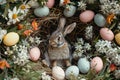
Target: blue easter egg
[
  {"x": 41, "y": 11},
  {"x": 72, "y": 70},
  {"x": 99, "y": 20},
  {"x": 83, "y": 65}
]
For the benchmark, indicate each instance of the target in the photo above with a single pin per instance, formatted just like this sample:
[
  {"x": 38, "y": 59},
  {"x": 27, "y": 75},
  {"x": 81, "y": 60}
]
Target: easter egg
[
  {"x": 97, "y": 64},
  {"x": 33, "y": 4},
  {"x": 99, "y": 20},
  {"x": 41, "y": 11},
  {"x": 11, "y": 38},
  {"x": 72, "y": 70},
  {"x": 117, "y": 38},
  {"x": 86, "y": 16},
  {"x": 50, "y": 3},
  {"x": 58, "y": 73},
  {"x": 83, "y": 65},
  {"x": 69, "y": 12},
  {"x": 34, "y": 53},
  {"x": 106, "y": 34}
]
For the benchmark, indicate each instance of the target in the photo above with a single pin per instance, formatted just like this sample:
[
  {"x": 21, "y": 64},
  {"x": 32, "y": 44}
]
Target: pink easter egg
[
  {"x": 97, "y": 64},
  {"x": 34, "y": 54},
  {"x": 106, "y": 34},
  {"x": 86, "y": 16},
  {"x": 50, "y": 3}
]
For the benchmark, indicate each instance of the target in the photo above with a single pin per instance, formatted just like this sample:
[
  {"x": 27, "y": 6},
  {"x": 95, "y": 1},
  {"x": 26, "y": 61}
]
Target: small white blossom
[
  {"x": 89, "y": 32},
  {"x": 81, "y": 5},
  {"x": 2, "y": 33},
  {"x": 45, "y": 76},
  {"x": 87, "y": 46}
]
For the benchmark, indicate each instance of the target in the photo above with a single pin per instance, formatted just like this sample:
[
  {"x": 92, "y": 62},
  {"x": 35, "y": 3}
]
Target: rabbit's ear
[
  {"x": 69, "y": 28},
  {"x": 61, "y": 24}
]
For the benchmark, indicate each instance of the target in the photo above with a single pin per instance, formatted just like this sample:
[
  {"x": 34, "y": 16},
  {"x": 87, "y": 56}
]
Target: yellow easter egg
[
  {"x": 117, "y": 38},
  {"x": 11, "y": 39}
]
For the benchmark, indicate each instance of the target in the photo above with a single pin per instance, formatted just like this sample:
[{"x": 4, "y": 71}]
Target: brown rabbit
[{"x": 58, "y": 48}]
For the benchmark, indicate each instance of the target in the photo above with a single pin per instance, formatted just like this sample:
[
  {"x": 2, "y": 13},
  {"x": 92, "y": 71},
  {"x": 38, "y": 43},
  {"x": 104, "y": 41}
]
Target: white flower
[
  {"x": 87, "y": 46},
  {"x": 24, "y": 8},
  {"x": 89, "y": 32},
  {"x": 102, "y": 46},
  {"x": 13, "y": 16},
  {"x": 81, "y": 5},
  {"x": 45, "y": 76},
  {"x": 2, "y": 33},
  {"x": 108, "y": 6}
]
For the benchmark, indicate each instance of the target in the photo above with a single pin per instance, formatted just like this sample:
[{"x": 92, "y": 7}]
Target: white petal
[{"x": 15, "y": 10}]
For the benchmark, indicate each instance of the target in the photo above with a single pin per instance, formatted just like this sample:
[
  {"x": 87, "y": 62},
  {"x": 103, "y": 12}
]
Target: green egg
[
  {"x": 99, "y": 20},
  {"x": 41, "y": 11},
  {"x": 72, "y": 70},
  {"x": 83, "y": 65}
]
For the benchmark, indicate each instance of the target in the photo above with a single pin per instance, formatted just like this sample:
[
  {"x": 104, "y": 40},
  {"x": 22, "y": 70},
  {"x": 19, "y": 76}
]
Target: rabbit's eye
[{"x": 58, "y": 38}]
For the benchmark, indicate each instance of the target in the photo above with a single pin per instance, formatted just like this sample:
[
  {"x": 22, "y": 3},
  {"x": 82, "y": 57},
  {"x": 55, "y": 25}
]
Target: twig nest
[
  {"x": 97, "y": 64},
  {"x": 58, "y": 73},
  {"x": 34, "y": 53},
  {"x": 11, "y": 38},
  {"x": 70, "y": 11},
  {"x": 106, "y": 34},
  {"x": 86, "y": 16},
  {"x": 72, "y": 71},
  {"x": 99, "y": 20},
  {"x": 117, "y": 38},
  {"x": 83, "y": 65},
  {"x": 50, "y": 3},
  {"x": 41, "y": 11}
]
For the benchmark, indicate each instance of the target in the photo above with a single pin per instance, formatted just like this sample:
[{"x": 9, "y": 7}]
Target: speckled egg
[
  {"x": 117, "y": 38},
  {"x": 11, "y": 38},
  {"x": 50, "y": 3},
  {"x": 58, "y": 73},
  {"x": 41, "y": 11},
  {"x": 34, "y": 53},
  {"x": 97, "y": 64},
  {"x": 86, "y": 16},
  {"x": 69, "y": 12},
  {"x": 99, "y": 20},
  {"x": 83, "y": 65},
  {"x": 106, "y": 34},
  {"x": 72, "y": 70}
]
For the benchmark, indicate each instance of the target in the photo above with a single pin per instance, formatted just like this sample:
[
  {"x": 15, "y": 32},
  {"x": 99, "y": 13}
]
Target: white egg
[
  {"x": 72, "y": 70},
  {"x": 69, "y": 12},
  {"x": 83, "y": 65},
  {"x": 58, "y": 73},
  {"x": 41, "y": 11}
]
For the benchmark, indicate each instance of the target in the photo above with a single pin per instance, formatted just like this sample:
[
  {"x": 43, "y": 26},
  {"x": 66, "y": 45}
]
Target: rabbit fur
[{"x": 58, "y": 48}]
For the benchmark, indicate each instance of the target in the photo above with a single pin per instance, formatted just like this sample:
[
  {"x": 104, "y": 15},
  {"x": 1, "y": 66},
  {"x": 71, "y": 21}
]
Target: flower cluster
[
  {"x": 108, "y": 7},
  {"x": 81, "y": 47},
  {"x": 89, "y": 32},
  {"x": 106, "y": 47}
]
